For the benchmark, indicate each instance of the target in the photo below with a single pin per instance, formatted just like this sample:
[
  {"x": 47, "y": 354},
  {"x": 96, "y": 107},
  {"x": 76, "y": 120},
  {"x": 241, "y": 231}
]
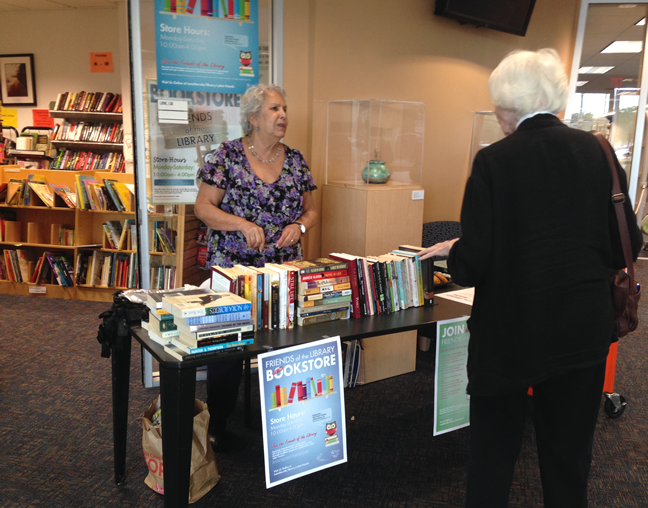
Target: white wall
[{"x": 61, "y": 42}]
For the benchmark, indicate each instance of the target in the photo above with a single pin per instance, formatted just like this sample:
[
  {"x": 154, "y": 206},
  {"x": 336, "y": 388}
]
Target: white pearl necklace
[{"x": 266, "y": 161}]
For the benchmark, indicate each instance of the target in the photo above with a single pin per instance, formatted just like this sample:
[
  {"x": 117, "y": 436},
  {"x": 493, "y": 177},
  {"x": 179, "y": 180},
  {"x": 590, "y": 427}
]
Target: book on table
[
  {"x": 154, "y": 297},
  {"x": 222, "y": 340},
  {"x": 180, "y": 354},
  {"x": 211, "y": 303}
]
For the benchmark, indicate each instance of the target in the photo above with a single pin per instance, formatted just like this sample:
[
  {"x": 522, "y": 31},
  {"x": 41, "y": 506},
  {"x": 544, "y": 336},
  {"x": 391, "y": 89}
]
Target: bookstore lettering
[{"x": 301, "y": 367}]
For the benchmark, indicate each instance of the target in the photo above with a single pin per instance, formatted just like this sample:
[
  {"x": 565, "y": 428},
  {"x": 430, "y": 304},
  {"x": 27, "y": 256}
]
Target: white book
[
  {"x": 268, "y": 277},
  {"x": 283, "y": 294}
]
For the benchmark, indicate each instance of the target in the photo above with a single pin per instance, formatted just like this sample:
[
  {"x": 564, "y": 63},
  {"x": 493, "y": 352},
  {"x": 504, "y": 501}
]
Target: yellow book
[
  {"x": 124, "y": 194},
  {"x": 43, "y": 192}
]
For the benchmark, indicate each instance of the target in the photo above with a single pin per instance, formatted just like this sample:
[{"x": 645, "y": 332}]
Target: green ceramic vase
[{"x": 376, "y": 172}]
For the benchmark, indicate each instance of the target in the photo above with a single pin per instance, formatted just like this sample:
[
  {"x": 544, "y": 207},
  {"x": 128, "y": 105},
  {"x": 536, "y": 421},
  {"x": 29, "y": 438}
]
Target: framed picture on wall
[{"x": 17, "y": 80}]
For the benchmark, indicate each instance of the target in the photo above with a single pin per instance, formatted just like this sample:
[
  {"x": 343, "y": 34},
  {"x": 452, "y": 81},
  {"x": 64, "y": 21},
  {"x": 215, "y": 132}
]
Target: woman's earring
[{"x": 256, "y": 128}]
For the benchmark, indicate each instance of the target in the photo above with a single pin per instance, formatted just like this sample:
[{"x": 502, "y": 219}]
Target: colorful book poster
[
  {"x": 207, "y": 46},
  {"x": 177, "y": 151},
  {"x": 302, "y": 407},
  {"x": 451, "y": 402}
]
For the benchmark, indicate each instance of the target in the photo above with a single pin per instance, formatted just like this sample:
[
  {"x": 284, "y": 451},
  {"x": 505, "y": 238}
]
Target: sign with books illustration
[
  {"x": 207, "y": 46},
  {"x": 451, "y": 402},
  {"x": 302, "y": 407},
  {"x": 177, "y": 150}
]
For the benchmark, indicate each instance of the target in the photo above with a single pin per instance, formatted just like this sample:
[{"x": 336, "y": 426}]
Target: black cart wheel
[{"x": 615, "y": 405}]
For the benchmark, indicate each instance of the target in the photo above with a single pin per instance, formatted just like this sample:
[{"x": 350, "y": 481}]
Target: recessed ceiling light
[
  {"x": 624, "y": 47},
  {"x": 641, "y": 22},
  {"x": 581, "y": 83},
  {"x": 594, "y": 70}
]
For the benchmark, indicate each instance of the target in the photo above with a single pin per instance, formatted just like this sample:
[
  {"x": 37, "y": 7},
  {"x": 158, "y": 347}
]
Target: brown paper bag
[{"x": 203, "y": 471}]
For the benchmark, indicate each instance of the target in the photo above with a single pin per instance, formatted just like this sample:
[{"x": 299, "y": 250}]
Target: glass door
[{"x": 607, "y": 73}]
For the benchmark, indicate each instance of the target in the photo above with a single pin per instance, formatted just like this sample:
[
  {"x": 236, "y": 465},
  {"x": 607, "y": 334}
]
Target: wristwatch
[{"x": 302, "y": 228}]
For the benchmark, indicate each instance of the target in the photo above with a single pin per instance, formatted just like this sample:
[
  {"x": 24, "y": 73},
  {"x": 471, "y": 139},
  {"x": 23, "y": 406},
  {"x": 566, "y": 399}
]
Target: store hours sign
[{"x": 207, "y": 46}]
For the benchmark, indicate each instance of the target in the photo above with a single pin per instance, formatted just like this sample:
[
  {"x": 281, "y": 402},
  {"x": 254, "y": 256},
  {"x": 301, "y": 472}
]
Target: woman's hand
[
  {"x": 254, "y": 235},
  {"x": 289, "y": 236},
  {"x": 438, "y": 249}
]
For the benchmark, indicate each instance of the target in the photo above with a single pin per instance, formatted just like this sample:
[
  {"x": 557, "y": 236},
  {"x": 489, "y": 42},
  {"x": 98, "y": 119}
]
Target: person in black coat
[{"x": 539, "y": 241}]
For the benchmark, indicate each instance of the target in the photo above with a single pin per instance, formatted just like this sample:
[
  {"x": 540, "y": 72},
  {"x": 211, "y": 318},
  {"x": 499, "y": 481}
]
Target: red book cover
[
  {"x": 230, "y": 9},
  {"x": 319, "y": 387},
  {"x": 191, "y": 6},
  {"x": 292, "y": 287},
  {"x": 292, "y": 393},
  {"x": 278, "y": 395},
  {"x": 323, "y": 275},
  {"x": 353, "y": 276}
]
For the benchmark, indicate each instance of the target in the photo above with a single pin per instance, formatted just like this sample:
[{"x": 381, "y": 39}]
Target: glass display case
[
  {"x": 374, "y": 142},
  {"x": 486, "y": 131}
]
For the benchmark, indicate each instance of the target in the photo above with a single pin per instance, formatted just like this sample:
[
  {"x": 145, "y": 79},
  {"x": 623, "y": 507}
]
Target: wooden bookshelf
[
  {"x": 89, "y": 235},
  {"x": 94, "y": 117}
]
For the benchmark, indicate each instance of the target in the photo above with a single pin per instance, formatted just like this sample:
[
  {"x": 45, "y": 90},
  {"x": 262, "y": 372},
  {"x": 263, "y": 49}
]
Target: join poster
[
  {"x": 302, "y": 407},
  {"x": 207, "y": 45},
  {"x": 451, "y": 402}
]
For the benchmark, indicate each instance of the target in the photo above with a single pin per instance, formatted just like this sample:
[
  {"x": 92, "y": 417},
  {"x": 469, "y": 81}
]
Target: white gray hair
[
  {"x": 252, "y": 103},
  {"x": 526, "y": 82}
]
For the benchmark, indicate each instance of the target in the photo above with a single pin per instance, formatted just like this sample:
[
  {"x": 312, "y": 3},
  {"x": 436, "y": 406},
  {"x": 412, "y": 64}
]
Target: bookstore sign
[
  {"x": 183, "y": 127},
  {"x": 302, "y": 407}
]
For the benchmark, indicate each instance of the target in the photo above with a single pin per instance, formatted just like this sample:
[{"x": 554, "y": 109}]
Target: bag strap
[{"x": 618, "y": 198}]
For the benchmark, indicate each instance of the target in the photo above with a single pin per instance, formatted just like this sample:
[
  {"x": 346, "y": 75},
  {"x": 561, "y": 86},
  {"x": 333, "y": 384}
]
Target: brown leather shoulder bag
[{"x": 625, "y": 295}]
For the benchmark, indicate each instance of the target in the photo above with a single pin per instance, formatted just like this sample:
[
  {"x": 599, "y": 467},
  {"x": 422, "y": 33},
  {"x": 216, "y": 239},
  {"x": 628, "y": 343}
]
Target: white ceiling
[{"x": 49, "y": 5}]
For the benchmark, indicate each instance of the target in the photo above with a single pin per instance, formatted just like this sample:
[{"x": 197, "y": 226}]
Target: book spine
[
  {"x": 292, "y": 282},
  {"x": 361, "y": 287},
  {"x": 218, "y": 318},
  {"x": 325, "y": 296},
  {"x": 315, "y": 311},
  {"x": 274, "y": 305},
  {"x": 244, "y": 333},
  {"x": 223, "y": 339},
  {"x": 324, "y": 268},
  {"x": 316, "y": 284},
  {"x": 209, "y": 354},
  {"x": 226, "y": 327},
  {"x": 323, "y": 275},
  {"x": 323, "y": 318},
  {"x": 217, "y": 347}
]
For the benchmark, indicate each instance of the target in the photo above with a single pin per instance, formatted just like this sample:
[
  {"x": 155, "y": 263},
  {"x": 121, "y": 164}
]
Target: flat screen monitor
[{"x": 511, "y": 16}]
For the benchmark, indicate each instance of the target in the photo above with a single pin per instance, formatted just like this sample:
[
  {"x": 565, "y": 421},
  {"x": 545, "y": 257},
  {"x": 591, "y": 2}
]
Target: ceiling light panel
[
  {"x": 594, "y": 70},
  {"x": 624, "y": 47}
]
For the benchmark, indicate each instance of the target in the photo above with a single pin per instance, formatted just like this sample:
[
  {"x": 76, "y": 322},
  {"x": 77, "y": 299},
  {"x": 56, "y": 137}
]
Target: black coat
[{"x": 539, "y": 241}]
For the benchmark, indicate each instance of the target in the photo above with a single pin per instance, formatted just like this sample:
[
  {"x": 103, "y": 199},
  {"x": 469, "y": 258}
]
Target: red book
[
  {"x": 319, "y": 387},
  {"x": 278, "y": 395},
  {"x": 191, "y": 6},
  {"x": 292, "y": 393},
  {"x": 300, "y": 391},
  {"x": 323, "y": 275},
  {"x": 230, "y": 9},
  {"x": 353, "y": 276}
]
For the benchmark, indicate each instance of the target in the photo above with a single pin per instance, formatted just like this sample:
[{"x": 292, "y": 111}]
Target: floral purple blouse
[{"x": 271, "y": 206}]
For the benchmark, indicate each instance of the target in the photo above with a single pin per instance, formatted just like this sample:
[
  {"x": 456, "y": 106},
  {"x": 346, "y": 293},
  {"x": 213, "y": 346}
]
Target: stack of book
[
  {"x": 270, "y": 291},
  {"x": 388, "y": 283},
  {"x": 323, "y": 291},
  {"x": 198, "y": 323}
]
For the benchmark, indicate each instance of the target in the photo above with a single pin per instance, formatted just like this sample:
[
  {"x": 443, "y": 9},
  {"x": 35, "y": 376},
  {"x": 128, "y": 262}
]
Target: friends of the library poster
[{"x": 256, "y": 196}]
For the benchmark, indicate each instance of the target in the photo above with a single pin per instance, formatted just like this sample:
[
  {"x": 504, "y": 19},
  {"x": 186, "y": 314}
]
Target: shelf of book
[
  {"x": 88, "y": 145},
  {"x": 88, "y": 134},
  {"x": 29, "y": 154},
  {"x": 87, "y": 116}
]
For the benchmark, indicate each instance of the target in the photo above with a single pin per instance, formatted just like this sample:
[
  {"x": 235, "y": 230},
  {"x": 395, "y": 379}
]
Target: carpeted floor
[{"x": 56, "y": 431}]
